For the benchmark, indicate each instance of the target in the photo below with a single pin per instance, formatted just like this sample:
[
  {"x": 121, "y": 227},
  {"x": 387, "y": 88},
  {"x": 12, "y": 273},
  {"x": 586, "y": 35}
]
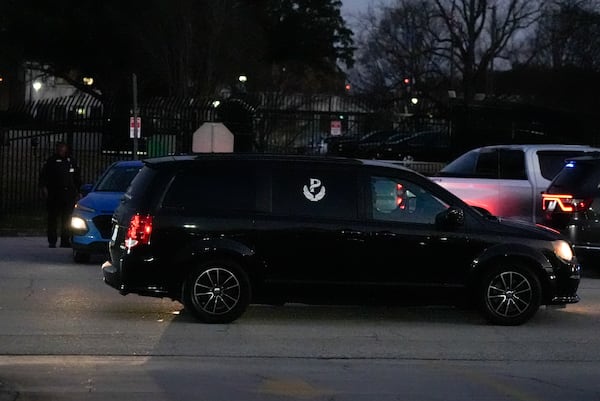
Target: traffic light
[{"x": 407, "y": 81}]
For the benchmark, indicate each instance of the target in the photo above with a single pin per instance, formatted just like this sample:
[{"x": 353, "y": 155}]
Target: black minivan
[{"x": 218, "y": 232}]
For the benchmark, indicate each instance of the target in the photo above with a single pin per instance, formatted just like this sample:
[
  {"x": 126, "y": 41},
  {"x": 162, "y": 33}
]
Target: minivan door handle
[
  {"x": 384, "y": 234},
  {"x": 352, "y": 233}
]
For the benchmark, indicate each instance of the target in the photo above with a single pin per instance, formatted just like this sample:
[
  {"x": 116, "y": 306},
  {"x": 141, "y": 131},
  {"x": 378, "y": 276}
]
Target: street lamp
[{"x": 242, "y": 85}]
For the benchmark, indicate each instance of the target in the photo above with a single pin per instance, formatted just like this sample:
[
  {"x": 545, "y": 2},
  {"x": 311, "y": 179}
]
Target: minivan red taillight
[
  {"x": 140, "y": 228},
  {"x": 564, "y": 203}
]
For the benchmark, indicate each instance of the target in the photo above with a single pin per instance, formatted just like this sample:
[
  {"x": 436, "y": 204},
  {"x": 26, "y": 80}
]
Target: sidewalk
[
  {"x": 23, "y": 225},
  {"x": 22, "y": 232}
]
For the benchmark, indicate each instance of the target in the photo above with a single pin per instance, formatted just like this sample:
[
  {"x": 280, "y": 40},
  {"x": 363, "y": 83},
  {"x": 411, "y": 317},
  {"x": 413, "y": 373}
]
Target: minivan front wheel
[
  {"x": 217, "y": 292},
  {"x": 509, "y": 294}
]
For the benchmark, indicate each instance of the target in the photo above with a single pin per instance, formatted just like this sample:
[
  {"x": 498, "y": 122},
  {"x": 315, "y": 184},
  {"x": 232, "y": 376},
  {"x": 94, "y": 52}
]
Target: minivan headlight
[{"x": 563, "y": 250}]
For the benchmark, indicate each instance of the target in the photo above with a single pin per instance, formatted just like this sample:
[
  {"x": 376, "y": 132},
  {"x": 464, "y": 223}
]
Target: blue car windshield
[{"x": 117, "y": 179}]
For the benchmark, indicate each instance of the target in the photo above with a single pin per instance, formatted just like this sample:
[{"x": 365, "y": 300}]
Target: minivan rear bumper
[{"x": 114, "y": 278}]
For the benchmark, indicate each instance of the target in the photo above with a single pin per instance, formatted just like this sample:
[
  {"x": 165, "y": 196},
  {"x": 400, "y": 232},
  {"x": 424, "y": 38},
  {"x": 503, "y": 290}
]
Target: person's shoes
[
  {"x": 65, "y": 244},
  {"x": 51, "y": 245}
]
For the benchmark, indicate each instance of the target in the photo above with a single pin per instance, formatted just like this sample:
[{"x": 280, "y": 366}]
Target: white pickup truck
[{"x": 507, "y": 180}]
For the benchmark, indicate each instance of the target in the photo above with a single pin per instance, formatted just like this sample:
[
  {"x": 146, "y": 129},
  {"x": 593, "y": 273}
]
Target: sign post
[
  {"x": 336, "y": 128},
  {"x": 135, "y": 127},
  {"x": 135, "y": 120}
]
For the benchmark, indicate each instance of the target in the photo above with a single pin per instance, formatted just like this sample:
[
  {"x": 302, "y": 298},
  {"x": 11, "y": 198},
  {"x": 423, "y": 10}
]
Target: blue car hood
[{"x": 101, "y": 202}]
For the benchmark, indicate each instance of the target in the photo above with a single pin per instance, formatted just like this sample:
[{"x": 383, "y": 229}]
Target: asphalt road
[{"x": 65, "y": 335}]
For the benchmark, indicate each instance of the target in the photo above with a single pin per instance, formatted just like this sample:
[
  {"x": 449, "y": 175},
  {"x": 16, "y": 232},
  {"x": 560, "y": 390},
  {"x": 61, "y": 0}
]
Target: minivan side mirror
[{"x": 450, "y": 218}]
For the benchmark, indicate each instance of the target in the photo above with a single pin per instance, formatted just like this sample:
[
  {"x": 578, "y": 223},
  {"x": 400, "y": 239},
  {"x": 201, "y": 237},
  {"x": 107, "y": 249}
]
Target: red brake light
[
  {"x": 399, "y": 196},
  {"x": 140, "y": 228},
  {"x": 566, "y": 203}
]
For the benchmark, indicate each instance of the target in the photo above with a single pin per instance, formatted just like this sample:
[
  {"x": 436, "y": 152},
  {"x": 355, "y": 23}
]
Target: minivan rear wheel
[
  {"x": 217, "y": 292},
  {"x": 509, "y": 294}
]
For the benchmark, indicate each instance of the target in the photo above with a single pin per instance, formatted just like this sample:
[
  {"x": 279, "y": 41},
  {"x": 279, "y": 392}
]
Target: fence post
[{"x": 135, "y": 118}]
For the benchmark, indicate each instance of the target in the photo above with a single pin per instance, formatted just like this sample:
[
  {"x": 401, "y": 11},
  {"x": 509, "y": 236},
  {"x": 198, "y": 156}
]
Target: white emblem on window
[{"x": 315, "y": 191}]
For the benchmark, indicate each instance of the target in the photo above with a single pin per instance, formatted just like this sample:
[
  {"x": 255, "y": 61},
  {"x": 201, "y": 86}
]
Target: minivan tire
[
  {"x": 217, "y": 291},
  {"x": 509, "y": 294}
]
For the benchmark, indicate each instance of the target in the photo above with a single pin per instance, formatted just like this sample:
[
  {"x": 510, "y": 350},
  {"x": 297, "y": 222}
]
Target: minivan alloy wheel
[
  {"x": 217, "y": 292},
  {"x": 510, "y": 295}
]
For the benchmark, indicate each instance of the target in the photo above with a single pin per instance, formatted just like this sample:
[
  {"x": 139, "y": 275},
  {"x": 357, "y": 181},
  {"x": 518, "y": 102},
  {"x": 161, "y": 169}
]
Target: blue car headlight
[{"x": 78, "y": 225}]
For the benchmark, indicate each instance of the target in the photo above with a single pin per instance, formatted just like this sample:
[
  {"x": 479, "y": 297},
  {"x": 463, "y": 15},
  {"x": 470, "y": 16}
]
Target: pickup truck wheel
[
  {"x": 509, "y": 294},
  {"x": 217, "y": 292}
]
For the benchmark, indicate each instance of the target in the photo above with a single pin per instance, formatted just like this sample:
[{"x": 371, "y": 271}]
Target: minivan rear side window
[
  {"x": 207, "y": 188},
  {"x": 315, "y": 192}
]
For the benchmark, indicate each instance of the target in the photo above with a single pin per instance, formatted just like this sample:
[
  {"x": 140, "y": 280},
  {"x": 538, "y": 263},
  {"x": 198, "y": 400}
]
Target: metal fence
[
  {"x": 261, "y": 122},
  {"x": 99, "y": 134}
]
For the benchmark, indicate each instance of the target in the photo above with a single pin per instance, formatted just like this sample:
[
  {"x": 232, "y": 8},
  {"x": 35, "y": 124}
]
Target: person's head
[{"x": 62, "y": 149}]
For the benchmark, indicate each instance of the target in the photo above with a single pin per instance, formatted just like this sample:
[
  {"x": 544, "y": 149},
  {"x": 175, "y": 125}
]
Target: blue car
[{"x": 91, "y": 219}]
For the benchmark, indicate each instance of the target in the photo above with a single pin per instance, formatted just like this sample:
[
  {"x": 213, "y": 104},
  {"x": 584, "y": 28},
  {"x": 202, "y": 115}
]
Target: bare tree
[
  {"x": 568, "y": 35},
  {"x": 398, "y": 47},
  {"x": 455, "y": 41},
  {"x": 478, "y": 32},
  {"x": 396, "y": 58}
]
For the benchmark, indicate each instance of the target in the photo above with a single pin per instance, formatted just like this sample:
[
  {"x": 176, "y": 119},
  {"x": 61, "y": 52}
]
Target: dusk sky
[{"x": 351, "y": 7}]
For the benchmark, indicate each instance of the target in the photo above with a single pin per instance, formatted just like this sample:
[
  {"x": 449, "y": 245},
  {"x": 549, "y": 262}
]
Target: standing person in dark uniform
[{"x": 60, "y": 181}]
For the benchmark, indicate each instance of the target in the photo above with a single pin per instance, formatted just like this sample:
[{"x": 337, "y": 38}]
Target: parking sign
[{"x": 336, "y": 128}]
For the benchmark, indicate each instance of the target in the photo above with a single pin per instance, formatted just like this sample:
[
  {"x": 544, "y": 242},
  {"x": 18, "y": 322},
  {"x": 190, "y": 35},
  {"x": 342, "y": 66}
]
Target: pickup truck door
[
  {"x": 516, "y": 187},
  {"x": 499, "y": 184}
]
